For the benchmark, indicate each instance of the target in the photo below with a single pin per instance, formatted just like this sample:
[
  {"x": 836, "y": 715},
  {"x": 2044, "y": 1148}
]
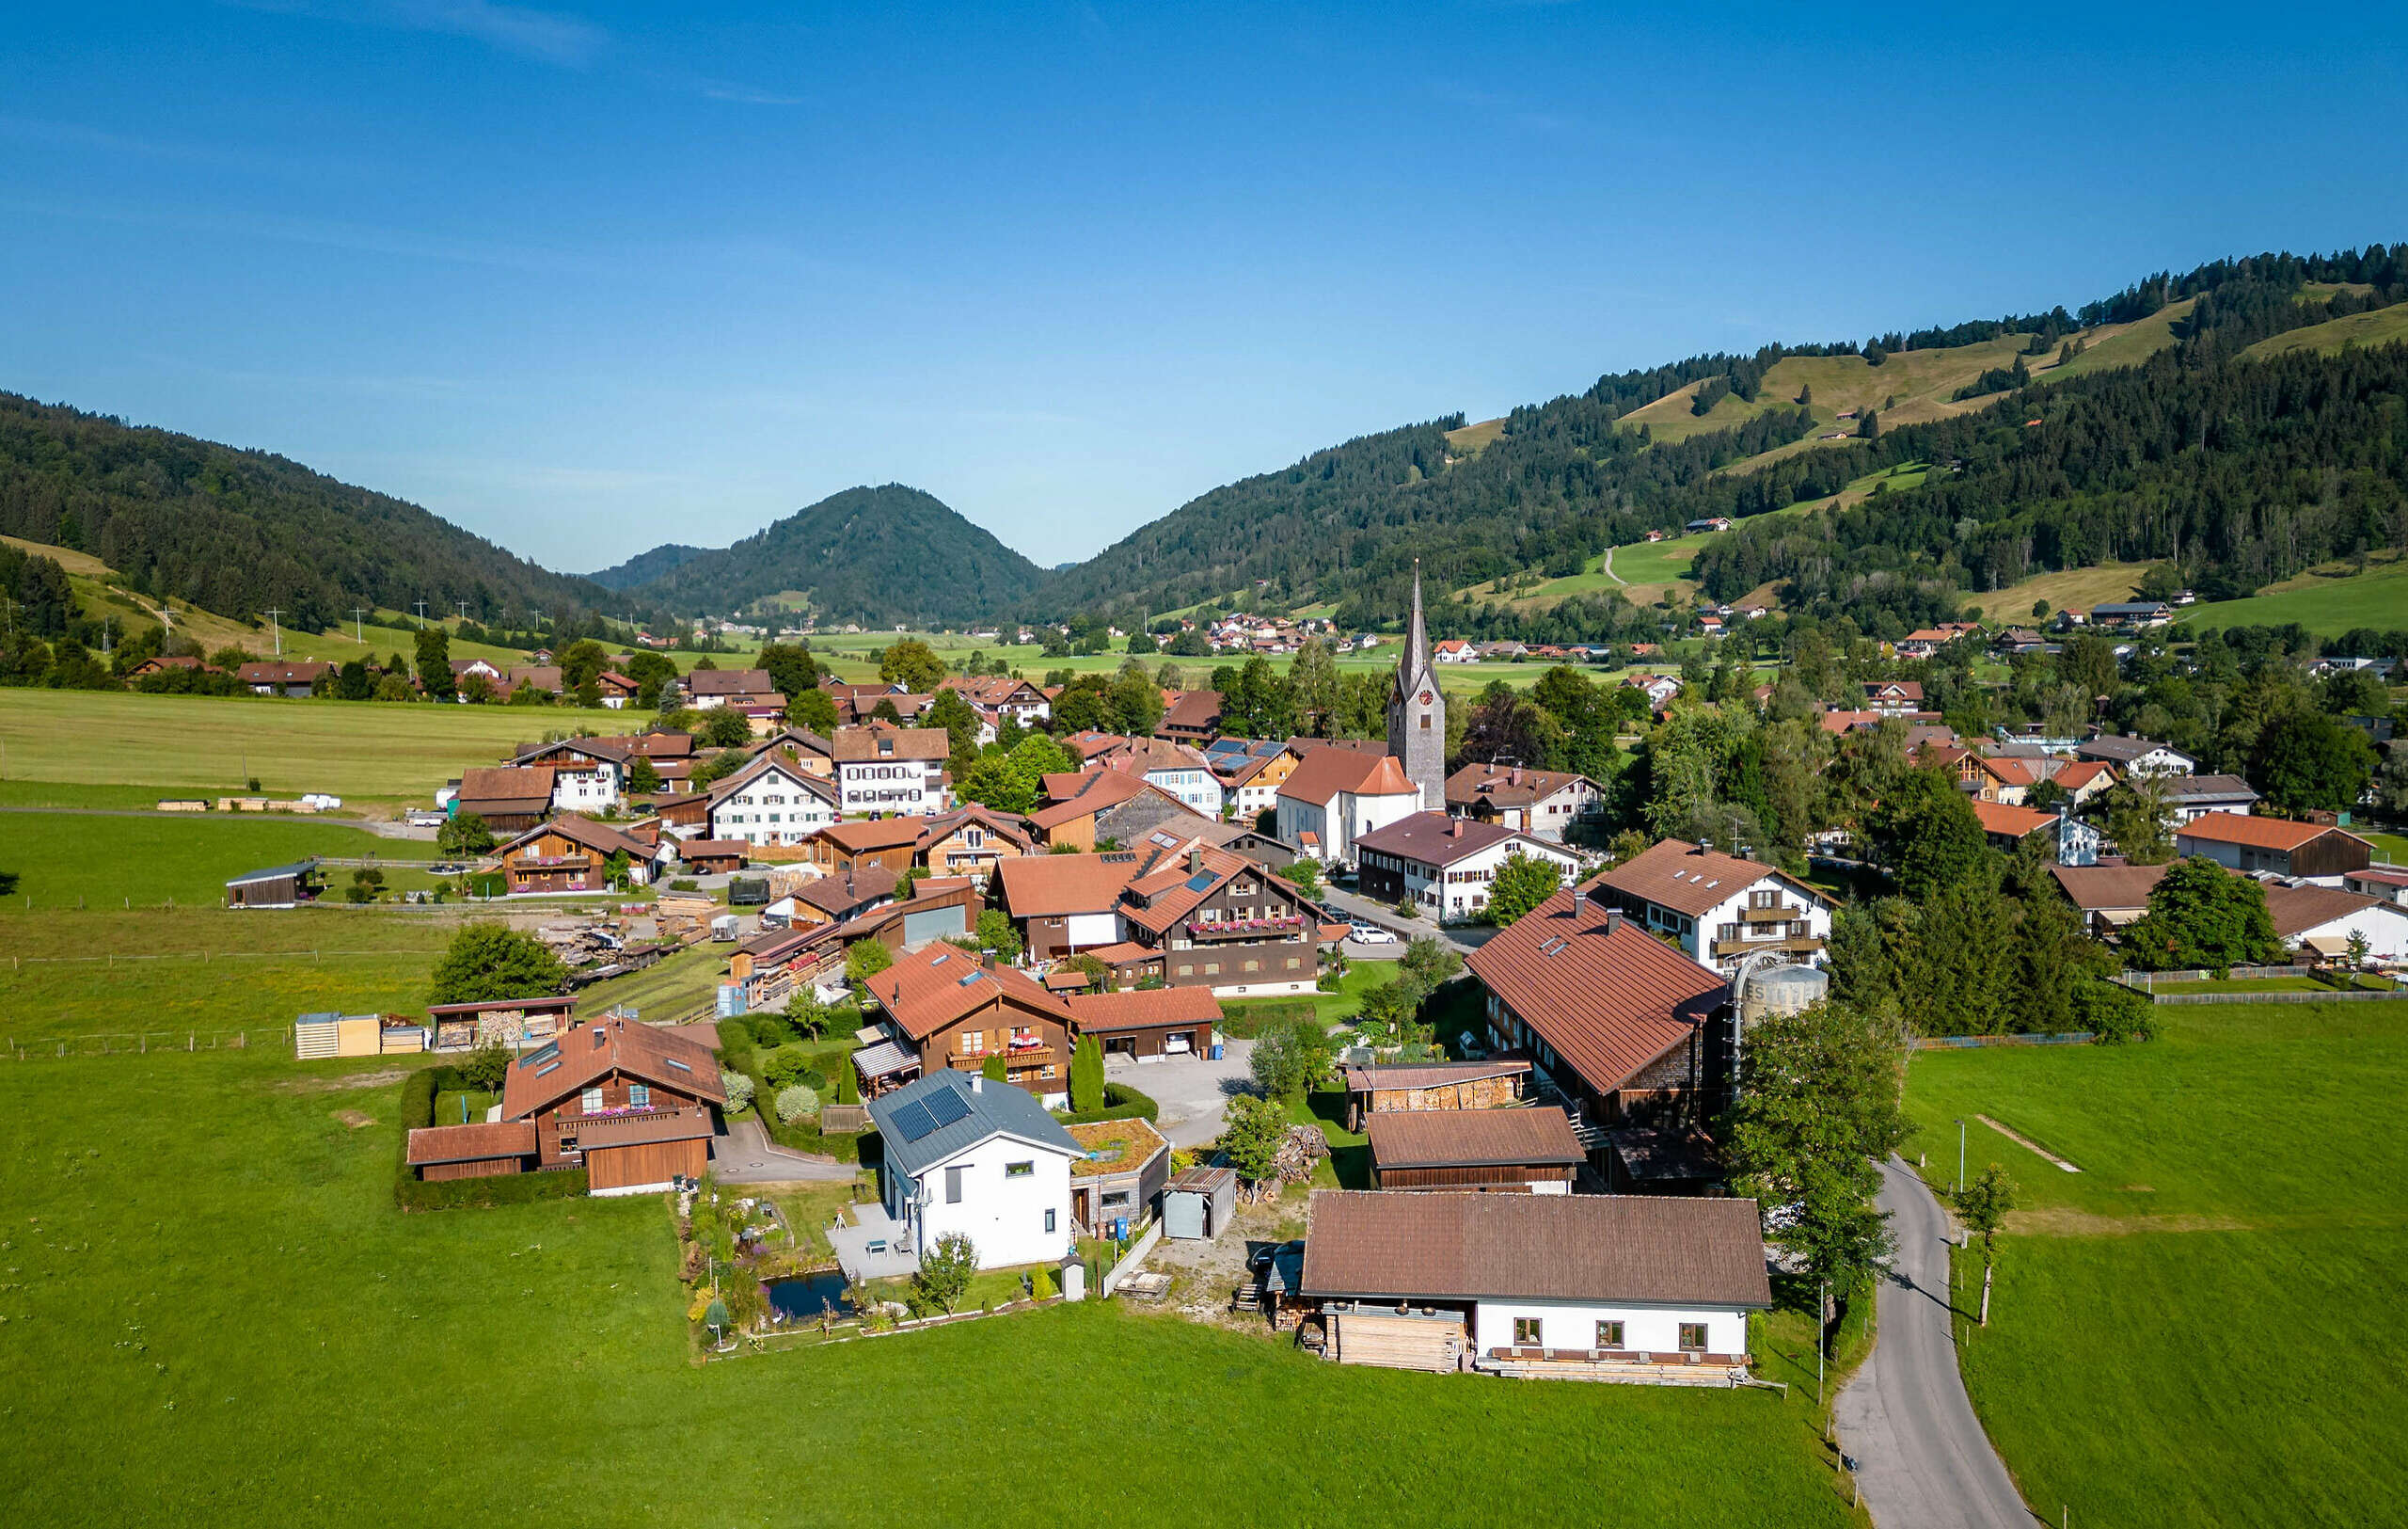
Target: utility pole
[
  {"x": 278, "y": 630},
  {"x": 359, "y": 633},
  {"x": 1960, "y": 1153},
  {"x": 421, "y": 615},
  {"x": 464, "y": 610}
]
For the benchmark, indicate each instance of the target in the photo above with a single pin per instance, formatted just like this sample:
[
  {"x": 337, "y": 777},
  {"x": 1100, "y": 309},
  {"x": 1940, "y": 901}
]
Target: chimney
[
  {"x": 1613, "y": 920},
  {"x": 1195, "y": 858},
  {"x": 1579, "y": 901},
  {"x": 1705, "y": 846},
  {"x": 1455, "y": 828},
  {"x": 987, "y": 960},
  {"x": 977, "y": 1083},
  {"x": 1513, "y": 776}
]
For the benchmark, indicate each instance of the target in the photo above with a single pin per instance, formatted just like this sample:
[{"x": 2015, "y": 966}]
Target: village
[{"x": 1064, "y": 1053}]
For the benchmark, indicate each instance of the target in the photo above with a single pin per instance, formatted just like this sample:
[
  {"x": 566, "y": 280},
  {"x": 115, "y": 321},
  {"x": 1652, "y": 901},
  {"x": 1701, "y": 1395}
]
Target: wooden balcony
[
  {"x": 1245, "y": 929},
  {"x": 1780, "y": 915},
  {"x": 1796, "y": 945}
]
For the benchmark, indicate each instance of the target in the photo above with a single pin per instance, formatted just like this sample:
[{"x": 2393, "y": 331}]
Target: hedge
[
  {"x": 413, "y": 1193},
  {"x": 1247, "y": 1021},
  {"x": 1121, "y": 1103},
  {"x": 739, "y": 1053}
]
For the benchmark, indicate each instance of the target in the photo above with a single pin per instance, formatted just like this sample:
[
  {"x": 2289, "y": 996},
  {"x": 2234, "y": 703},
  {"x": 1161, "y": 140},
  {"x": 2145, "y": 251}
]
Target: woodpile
[
  {"x": 684, "y": 917},
  {"x": 1300, "y": 1151},
  {"x": 582, "y": 943}
]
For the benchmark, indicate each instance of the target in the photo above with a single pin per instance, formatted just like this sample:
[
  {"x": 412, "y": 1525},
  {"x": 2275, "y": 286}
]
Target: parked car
[
  {"x": 1370, "y": 934},
  {"x": 423, "y": 819},
  {"x": 1262, "y": 1256}
]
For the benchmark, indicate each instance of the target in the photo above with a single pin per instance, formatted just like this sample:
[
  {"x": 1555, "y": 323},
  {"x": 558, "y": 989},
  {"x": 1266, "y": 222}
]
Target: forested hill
[
  {"x": 645, "y": 567},
  {"x": 1562, "y": 480},
  {"x": 878, "y": 556},
  {"x": 239, "y": 532}
]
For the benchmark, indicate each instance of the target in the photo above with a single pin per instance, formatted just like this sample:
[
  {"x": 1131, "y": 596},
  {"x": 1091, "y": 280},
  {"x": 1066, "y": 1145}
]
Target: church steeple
[{"x": 1418, "y": 711}]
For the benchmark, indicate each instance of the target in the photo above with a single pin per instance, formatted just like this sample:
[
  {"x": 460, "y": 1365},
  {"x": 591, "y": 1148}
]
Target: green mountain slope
[
  {"x": 878, "y": 556},
  {"x": 645, "y": 567},
  {"x": 242, "y": 531}
]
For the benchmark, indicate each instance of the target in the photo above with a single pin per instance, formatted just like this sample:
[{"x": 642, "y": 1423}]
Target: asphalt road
[
  {"x": 1922, "y": 1456},
  {"x": 1363, "y": 910}
]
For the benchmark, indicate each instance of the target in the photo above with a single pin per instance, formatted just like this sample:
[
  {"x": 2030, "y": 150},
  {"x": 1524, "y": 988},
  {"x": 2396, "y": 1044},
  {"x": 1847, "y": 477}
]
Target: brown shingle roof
[
  {"x": 1433, "y": 838},
  {"x": 1049, "y": 885},
  {"x": 2098, "y": 888},
  {"x": 1609, "y": 997},
  {"x": 471, "y": 1142},
  {"x": 862, "y": 835},
  {"x": 1674, "y": 873},
  {"x": 599, "y": 837},
  {"x": 928, "y": 989},
  {"x": 843, "y": 893},
  {"x": 502, "y": 789},
  {"x": 1144, "y": 1009},
  {"x": 730, "y": 683},
  {"x": 861, "y": 745},
  {"x": 643, "y": 1051},
  {"x": 1432, "y": 1075},
  {"x": 1507, "y": 786},
  {"x": 1591, "y": 1248},
  {"x": 1472, "y": 1138},
  {"x": 2295, "y": 910},
  {"x": 2004, "y": 819}
]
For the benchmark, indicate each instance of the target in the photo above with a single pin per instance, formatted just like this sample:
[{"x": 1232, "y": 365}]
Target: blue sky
[{"x": 585, "y": 281}]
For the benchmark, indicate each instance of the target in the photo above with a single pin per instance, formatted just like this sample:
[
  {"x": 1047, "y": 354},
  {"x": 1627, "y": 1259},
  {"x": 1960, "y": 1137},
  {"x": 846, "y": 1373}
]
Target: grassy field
[
  {"x": 2242, "y": 1168},
  {"x": 2383, "y": 327},
  {"x": 2079, "y": 588},
  {"x": 59, "y": 857},
  {"x": 369, "y": 754},
  {"x": 851, "y": 657},
  {"x": 2328, "y": 600}
]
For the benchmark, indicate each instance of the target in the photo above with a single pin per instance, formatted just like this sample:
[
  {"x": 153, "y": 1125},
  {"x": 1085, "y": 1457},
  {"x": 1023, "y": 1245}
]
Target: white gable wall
[
  {"x": 1004, "y": 1216},
  {"x": 1655, "y": 1329}
]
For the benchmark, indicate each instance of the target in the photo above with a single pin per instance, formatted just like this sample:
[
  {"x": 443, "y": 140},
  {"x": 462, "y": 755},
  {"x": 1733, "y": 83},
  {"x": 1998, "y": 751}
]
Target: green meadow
[
  {"x": 212, "y": 1312},
  {"x": 2194, "y": 1328},
  {"x": 2327, "y": 600}
]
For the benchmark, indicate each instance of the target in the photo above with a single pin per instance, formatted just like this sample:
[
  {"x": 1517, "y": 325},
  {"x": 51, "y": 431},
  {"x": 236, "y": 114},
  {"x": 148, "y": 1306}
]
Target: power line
[{"x": 272, "y": 615}]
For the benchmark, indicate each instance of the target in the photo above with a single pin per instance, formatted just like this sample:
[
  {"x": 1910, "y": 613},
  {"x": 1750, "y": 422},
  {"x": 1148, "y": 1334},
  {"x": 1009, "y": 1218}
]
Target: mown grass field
[
  {"x": 852, "y": 657},
  {"x": 213, "y": 1314},
  {"x": 2194, "y": 1329},
  {"x": 2383, "y": 327},
  {"x": 369, "y": 754},
  {"x": 106, "y": 861},
  {"x": 2327, "y": 600}
]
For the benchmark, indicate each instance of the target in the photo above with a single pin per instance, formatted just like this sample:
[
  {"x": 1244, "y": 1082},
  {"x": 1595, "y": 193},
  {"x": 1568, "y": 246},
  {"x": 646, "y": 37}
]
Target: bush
[
  {"x": 1248, "y": 1021},
  {"x": 739, "y": 1090},
  {"x": 2110, "y": 1012},
  {"x": 796, "y": 1102},
  {"x": 735, "y": 1050},
  {"x": 784, "y": 1066},
  {"x": 1121, "y": 1103},
  {"x": 684, "y": 883}
]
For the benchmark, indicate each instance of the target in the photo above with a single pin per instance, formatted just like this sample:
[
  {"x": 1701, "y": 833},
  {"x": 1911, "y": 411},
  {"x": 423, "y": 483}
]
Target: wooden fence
[{"x": 142, "y": 1043}]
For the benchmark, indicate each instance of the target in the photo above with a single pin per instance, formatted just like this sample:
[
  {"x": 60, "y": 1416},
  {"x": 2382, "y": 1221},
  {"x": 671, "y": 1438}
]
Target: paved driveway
[
  {"x": 747, "y": 1155},
  {"x": 1192, "y": 1092},
  {"x": 1922, "y": 1456},
  {"x": 1362, "y": 910}
]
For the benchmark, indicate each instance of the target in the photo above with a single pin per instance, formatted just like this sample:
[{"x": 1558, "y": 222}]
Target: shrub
[
  {"x": 684, "y": 883},
  {"x": 1121, "y": 1103},
  {"x": 769, "y": 1030},
  {"x": 487, "y": 1067},
  {"x": 815, "y": 1080},
  {"x": 735, "y": 1046},
  {"x": 1040, "y": 1283},
  {"x": 2110, "y": 1012},
  {"x": 1248, "y": 1021},
  {"x": 796, "y": 1102},
  {"x": 739, "y": 1090},
  {"x": 785, "y": 1065}
]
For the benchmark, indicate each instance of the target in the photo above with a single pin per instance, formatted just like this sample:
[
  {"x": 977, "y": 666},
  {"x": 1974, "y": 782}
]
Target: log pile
[
  {"x": 1300, "y": 1151},
  {"x": 683, "y": 917},
  {"x": 581, "y": 943}
]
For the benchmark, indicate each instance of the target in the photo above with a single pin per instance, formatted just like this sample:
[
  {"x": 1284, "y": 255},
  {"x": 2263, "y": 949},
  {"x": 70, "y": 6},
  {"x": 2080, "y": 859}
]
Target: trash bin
[
  {"x": 1121, "y": 1229},
  {"x": 1216, "y": 1051}
]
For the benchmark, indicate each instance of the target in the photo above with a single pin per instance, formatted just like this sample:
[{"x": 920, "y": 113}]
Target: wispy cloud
[
  {"x": 360, "y": 237},
  {"x": 745, "y": 95},
  {"x": 550, "y": 37},
  {"x": 1505, "y": 108}
]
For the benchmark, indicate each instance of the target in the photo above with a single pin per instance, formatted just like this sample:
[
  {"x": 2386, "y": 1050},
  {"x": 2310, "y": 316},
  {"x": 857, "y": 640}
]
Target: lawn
[
  {"x": 1331, "y": 1008},
  {"x": 369, "y": 754},
  {"x": 678, "y": 984},
  {"x": 62, "y": 857},
  {"x": 2389, "y": 849},
  {"x": 2328, "y": 600},
  {"x": 236, "y": 1326},
  {"x": 2380, "y": 327},
  {"x": 2242, "y": 1165}
]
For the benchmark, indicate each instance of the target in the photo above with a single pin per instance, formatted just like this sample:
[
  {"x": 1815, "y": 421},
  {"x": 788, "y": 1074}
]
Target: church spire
[{"x": 1415, "y": 659}]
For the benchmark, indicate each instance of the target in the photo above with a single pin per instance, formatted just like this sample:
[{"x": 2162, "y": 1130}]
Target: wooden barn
[
  {"x": 278, "y": 886},
  {"x": 474, "y": 1150},
  {"x": 1503, "y": 1079},
  {"x": 1149, "y": 1024},
  {"x": 1515, "y": 1150}
]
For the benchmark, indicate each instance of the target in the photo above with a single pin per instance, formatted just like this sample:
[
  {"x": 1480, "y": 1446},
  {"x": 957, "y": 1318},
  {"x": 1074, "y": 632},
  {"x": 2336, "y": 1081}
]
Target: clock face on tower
[{"x": 1424, "y": 697}]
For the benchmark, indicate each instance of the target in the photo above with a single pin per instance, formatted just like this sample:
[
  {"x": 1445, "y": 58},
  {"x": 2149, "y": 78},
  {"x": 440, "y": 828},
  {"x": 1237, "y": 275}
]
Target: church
[{"x": 1418, "y": 713}]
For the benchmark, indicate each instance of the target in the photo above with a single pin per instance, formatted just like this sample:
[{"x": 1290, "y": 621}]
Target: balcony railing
[
  {"x": 1780, "y": 914},
  {"x": 1794, "y": 945},
  {"x": 1243, "y": 929}
]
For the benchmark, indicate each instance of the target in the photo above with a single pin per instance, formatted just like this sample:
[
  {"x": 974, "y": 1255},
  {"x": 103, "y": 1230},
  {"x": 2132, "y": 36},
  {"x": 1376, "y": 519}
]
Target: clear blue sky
[{"x": 589, "y": 279}]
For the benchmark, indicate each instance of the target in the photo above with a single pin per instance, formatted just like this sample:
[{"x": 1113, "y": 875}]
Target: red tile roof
[
  {"x": 1609, "y": 997},
  {"x": 1322, "y": 773},
  {"x": 471, "y": 1142},
  {"x": 1509, "y": 786},
  {"x": 2012, "y": 821},
  {"x": 1433, "y": 838},
  {"x": 596, "y": 1050},
  {"x": 2257, "y": 833},
  {"x": 1144, "y": 1009},
  {"x": 928, "y": 989},
  {"x": 862, "y": 745},
  {"x": 1052, "y": 885}
]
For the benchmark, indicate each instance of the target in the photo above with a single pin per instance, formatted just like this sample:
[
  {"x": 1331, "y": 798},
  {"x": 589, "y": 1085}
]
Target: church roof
[{"x": 1413, "y": 666}]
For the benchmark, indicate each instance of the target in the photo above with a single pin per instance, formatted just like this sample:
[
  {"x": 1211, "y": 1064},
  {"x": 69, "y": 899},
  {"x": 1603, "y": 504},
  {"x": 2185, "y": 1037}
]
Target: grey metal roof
[
  {"x": 274, "y": 872},
  {"x": 990, "y": 1109}
]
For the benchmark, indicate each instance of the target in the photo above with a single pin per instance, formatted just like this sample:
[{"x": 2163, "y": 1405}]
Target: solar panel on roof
[
  {"x": 913, "y": 1120},
  {"x": 946, "y": 1106},
  {"x": 1201, "y": 882}
]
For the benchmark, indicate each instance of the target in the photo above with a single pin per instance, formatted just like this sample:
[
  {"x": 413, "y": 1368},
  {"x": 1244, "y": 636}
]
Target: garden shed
[
  {"x": 1198, "y": 1203},
  {"x": 1119, "y": 1181},
  {"x": 278, "y": 886}
]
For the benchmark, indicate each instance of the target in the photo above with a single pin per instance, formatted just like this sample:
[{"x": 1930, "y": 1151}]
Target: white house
[
  {"x": 969, "y": 1154},
  {"x": 587, "y": 775},
  {"x": 2318, "y": 921},
  {"x": 2137, "y": 755},
  {"x": 1454, "y": 650},
  {"x": 1446, "y": 865},
  {"x": 1177, "y": 770},
  {"x": 896, "y": 770},
  {"x": 770, "y": 802},
  {"x": 1721, "y": 909},
  {"x": 1541, "y": 801},
  {"x": 1501, "y": 1281},
  {"x": 2190, "y": 796},
  {"x": 1335, "y": 795}
]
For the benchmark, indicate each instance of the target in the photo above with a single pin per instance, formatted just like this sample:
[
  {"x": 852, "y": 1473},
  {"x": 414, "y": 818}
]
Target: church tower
[{"x": 1418, "y": 712}]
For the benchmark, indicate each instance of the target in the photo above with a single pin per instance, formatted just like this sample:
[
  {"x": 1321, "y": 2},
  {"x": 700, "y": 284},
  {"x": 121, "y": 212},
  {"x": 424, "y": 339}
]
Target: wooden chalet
[
  {"x": 772, "y": 962},
  {"x": 1518, "y": 1151},
  {"x": 571, "y": 853},
  {"x": 952, "y": 1009},
  {"x": 971, "y": 841},
  {"x": 1224, "y": 922},
  {"x": 713, "y": 856},
  {"x": 1497, "y": 1082},
  {"x": 633, "y": 1105},
  {"x": 278, "y": 886},
  {"x": 891, "y": 844},
  {"x": 510, "y": 800}
]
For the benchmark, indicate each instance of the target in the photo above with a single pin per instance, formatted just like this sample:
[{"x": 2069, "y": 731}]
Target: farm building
[
  {"x": 2317, "y": 922},
  {"x": 1642, "y": 1287},
  {"x": 1522, "y": 1151},
  {"x": 510, "y": 1022},
  {"x": 572, "y": 853},
  {"x": 278, "y": 886},
  {"x": 2309, "y": 852},
  {"x": 1499, "y": 1081}
]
